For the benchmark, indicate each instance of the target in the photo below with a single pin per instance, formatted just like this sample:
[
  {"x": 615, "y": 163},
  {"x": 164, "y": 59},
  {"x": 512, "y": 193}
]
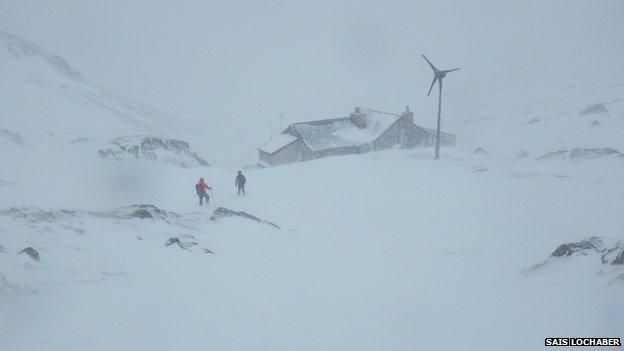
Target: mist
[{"x": 242, "y": 62}]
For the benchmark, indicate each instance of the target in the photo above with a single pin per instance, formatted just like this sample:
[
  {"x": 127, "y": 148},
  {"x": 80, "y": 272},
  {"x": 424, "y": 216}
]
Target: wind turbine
[{"x": 438, "y": 76}]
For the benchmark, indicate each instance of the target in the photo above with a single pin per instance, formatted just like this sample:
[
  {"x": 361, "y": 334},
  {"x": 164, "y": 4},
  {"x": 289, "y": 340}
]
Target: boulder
[
  {"x": 151, "y": 211},
  {"x": 30, "y": 252},
  {"x": 221, "y": 212},
  {"x": 182, "y": 244},
  {"x": 141, "y": 213},
  {"x": 481, "y": 151},
  {"x": 10, "y": 137},
  {"x": 593, "y": 244},
  {"x": 172, "y": 151},
  {"x": 592, "y": 109},
  {"x": 614, "y": 255}
]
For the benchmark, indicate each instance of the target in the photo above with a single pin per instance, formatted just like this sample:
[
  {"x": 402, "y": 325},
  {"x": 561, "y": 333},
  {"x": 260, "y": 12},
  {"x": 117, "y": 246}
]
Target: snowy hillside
[
  {"x": 381, "y": 251},
  {"x": 73, "y": 115}
]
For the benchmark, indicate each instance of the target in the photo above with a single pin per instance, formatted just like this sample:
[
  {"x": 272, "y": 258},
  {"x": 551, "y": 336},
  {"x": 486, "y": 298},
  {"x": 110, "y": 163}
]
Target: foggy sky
[{"x": 242, "y": 62}]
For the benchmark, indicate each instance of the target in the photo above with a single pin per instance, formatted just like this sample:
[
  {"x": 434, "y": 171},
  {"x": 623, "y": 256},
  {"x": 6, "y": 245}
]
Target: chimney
[
  {"x": 408, "y": 116},
  {"x": 358, "y": 118}
]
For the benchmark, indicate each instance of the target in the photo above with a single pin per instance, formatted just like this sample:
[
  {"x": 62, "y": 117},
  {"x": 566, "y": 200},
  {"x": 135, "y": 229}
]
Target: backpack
[{"x": 198, "y": 189}]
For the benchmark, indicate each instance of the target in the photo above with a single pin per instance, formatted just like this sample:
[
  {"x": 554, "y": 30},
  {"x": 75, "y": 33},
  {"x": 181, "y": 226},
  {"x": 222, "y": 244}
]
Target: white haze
[
  {"x": 239, "y": 63},
  {"x": 387, "y": 250}
]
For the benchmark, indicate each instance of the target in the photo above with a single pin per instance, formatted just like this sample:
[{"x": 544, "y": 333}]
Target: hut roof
[{"x": 278, "y": 143}]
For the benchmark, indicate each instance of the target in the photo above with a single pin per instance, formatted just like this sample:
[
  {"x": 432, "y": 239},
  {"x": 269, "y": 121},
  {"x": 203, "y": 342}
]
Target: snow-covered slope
[
  {"x": 38, "y": 86},
  {"x": 379, "y": 251},
  {"x": 48, "y": 105},
  {"x": 537, "y": 107}
]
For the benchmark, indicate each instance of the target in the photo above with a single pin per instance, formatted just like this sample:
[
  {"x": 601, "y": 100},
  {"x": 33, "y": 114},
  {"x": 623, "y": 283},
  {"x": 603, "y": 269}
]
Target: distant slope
[{"x": 42, "y": 93}]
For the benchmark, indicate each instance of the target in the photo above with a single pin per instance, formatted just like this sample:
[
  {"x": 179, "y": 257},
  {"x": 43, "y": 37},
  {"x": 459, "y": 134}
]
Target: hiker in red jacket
[{"x": 202, "y": 191}]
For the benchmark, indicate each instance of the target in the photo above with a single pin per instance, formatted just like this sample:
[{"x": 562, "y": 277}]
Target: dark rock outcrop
[
  {"x": 481, "y": 151},
  {"x": 592, "y": 109},
  {"x": 141, "y": 213},
  {"x": 614, "y": 255},
  {"x": 173, "y": 151},
  {"x": 182, "y": 244},
  {"x": 221, "y": 212},
  {"x": 593, "y": 244},
  {"x": 619, "y": 259},
  {"x": 579, "y": 154},
  {"x": 610, "y": 252},
  {"x": 10, "y": 137},
  {"x": 30, "y": 252}
]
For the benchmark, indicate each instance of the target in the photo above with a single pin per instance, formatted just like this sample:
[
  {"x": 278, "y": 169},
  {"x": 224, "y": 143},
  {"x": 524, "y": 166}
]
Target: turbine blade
[
  {"x": 435, "y": 77},
  {"x": 451, "y": 70},
  {"x": 430, "y": 64}
]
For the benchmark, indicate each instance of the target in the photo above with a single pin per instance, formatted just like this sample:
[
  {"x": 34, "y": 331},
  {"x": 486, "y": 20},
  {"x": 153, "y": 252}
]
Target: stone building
[{"x": 363, "y": 131}]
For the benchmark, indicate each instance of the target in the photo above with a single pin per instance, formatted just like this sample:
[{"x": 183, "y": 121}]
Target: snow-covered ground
[{"x": 382, "y": 251}]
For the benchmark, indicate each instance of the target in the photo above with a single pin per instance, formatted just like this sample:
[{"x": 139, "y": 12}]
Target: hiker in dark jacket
[
  {"x": 202, "y": 191},
  {"x": 240, "y": 182}
]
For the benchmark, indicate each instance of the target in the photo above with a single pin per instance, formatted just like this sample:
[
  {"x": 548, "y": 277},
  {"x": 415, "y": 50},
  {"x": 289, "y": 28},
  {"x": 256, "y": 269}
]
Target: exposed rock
[
  {"x": 151, "y": 211},
  {"x": 595, "y": 123},
  {"x": 71, "y": 220},
  {"x": 619, "y": 259},
  {"x": 79, "y": 140},
  {"x": 481, "y": 151},
  {"x": 595, "y": 108},
  {"x": 593, "y": 244},
  {"x": 172, "y": 151},
  {"x": 221, "y": 212},
  {"x": 141, "y": 213},
  {"x": 30, "y": 252},
  {"x": 614, "y": 255},
  {"x": 208, "y": 251},
  {"x": 579, "y": 154},
  {"x": 182, "y": 244},
  {"x": 481, "y": 170},
  {"x": 10, "y": 137},
  {"x": 534, "y": 120},
  {"x": 522, "y": 154},
  {"x": 2, "y": 249},
  {"x": 610, "y": 252},
  {"x": 37, "y": 215}
]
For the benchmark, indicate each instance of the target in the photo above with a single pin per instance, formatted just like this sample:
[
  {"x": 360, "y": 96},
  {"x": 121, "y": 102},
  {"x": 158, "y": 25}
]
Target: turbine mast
[
  {"x": 437, "y": 141},
  {"x": 438, "y": 76}
]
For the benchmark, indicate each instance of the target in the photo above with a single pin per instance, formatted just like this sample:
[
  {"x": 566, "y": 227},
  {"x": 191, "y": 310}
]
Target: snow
[
  {"x": 381, "y": 251},
  {"x": 343, "y": 132},
  {"x": 277, "y": 143}
]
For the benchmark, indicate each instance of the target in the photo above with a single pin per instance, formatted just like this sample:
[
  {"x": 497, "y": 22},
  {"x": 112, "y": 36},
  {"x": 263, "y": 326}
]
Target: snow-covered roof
[
  {"x": 277, "y": 143},
  {"x": 342, "y": 132}
]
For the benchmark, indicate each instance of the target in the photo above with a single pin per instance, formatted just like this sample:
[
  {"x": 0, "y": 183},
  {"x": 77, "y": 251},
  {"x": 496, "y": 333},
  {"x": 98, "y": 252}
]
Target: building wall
[
  {"x": 335, "y": 151},
  {"x": 403, "y": 133},
  {"x": 293, "y": 152}
]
